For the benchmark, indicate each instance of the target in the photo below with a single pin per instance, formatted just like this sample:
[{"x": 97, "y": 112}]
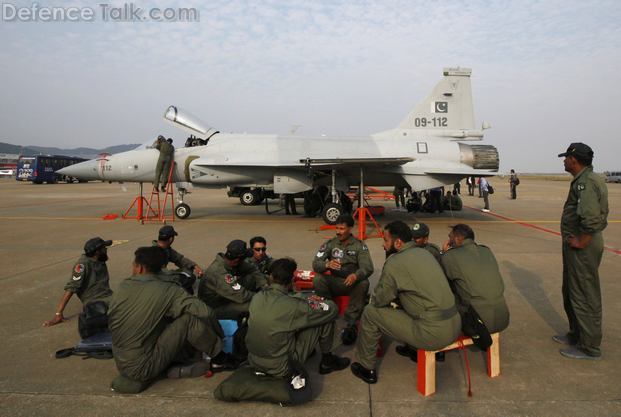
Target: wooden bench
[{"x": 427, "y": 362}]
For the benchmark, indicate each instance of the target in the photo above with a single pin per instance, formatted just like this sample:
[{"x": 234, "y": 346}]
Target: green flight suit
[
  {"x": 411, "y": 303},
  {"x": 475, "y": 279},
  {"x": 229, "y": 290},
  {"x": 585, "y": 212},
  {"x": 432, "y": 249},
  {"x": 89, "y": 280},
  {"x": 151, "y": 320},
  {"x": 355, "y": 258},
  {"x": 162, "y": 169},
  {"x": 453, "y": 202},
  {"x": 184, "y": 264},
  {"x": 283, "y": 327},
  {"x": 264, "y": 264}
]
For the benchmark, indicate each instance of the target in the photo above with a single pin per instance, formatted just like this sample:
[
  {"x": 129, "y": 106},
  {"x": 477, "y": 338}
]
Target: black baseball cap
[
  {"x": 236, "y": 249},
  {"x": 420, "y": 230},
  {"x": 95, "y": 243},
  {"x": 166, "y": 232},
  {"x": 578, "y": 149}
]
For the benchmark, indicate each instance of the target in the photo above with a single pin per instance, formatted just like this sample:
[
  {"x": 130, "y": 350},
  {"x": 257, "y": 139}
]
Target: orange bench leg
[
  {"x": 493, "y": 356},
  {"x": 426, "y": 372}
]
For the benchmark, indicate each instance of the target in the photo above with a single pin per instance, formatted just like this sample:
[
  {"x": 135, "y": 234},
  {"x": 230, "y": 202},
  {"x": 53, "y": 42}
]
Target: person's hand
[
  {"x": 58, "y": 318},
  {"x": 333, "y": 264},
  {"x": 350, "y": 280},
  {"x": 198, "y": 271},
  {"x": 579, "y": 242},
  {"x": 446, "y": 246}
]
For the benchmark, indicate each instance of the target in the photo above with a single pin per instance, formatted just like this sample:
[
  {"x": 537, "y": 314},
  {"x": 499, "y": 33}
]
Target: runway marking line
[{"x": 533, "y": 226}]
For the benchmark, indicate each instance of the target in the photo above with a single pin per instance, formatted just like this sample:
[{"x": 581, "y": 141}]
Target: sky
[{"x": 545, "y": 73}]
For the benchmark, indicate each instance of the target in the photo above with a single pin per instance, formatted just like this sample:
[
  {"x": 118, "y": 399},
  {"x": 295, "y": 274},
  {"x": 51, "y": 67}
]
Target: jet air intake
[
  {"x": 188, "y": 122},
  {"x": 479, "y": 156}
]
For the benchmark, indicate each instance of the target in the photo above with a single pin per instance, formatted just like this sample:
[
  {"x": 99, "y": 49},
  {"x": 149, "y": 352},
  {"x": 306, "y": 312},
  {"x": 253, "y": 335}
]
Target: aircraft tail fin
[{"x": 449, "y": 106}]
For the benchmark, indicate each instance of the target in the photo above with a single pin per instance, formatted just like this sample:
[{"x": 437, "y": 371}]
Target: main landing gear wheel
[
  {"x": 331, "y": 212},
  {"x": 250, "y": 197},
  {"x": 182, "y": 211}
]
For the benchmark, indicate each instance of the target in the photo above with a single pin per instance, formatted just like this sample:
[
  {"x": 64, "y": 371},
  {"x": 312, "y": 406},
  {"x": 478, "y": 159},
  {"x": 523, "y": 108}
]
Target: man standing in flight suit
[
  {"x": 162, "y": 169},
  {"x": 230, "y": 282},
  {"x": 411, "y": 303},
  {"x": 89, "y": 278},
  {"x": 343, "y": 266},
  {"x": 584, "y": 217}
]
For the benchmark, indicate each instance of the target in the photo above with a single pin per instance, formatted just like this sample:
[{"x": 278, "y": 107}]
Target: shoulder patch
[
  {"x": 79, "y": 268},
  {"x": 318, "y": 305},
  {"x": 364, "y": 247},
  {"x": 581, "y": 187},
  {"x": 230, "y": 279}
]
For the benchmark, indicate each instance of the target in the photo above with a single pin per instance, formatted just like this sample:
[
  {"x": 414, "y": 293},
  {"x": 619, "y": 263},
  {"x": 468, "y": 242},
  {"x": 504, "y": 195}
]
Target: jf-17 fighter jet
[{"x": 424, "y": 151}]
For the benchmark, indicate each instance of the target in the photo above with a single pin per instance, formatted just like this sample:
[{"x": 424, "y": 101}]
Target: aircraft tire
[
  {"x": 250, "y": 197},
  {"x": 182, "y": 211},
  {"x": 331, "y": 212}
]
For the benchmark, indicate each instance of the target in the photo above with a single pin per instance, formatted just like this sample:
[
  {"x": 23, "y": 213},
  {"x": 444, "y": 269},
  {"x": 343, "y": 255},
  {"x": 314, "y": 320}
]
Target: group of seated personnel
[{"x": 159, "y": 328}]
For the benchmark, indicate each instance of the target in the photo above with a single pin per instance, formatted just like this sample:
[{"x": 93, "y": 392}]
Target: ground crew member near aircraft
[
  {"x": 162, "y": 169},
  {"x": 152, "y": 320},
  {"x": 411, "y": 303},
  {"x": 514, "y": 181},
  {"x": 473, "y": 273},
  {"x": 343, "y": 266},
  {"x": 261, "y": 259},
  {"x": 165, "y": 239},
  {"x": 420, "y": 236},
  {"x": 230, "y": 282},
  {"x": 89, "y": 278},
  {"x": 584, "y": 217}
]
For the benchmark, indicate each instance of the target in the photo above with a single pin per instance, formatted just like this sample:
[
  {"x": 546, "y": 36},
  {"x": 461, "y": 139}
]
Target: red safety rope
[{"x": 463, "y": 348}]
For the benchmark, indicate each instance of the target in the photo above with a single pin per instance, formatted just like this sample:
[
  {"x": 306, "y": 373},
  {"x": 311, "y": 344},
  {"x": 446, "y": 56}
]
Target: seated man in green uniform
[
  {"x": 230, "y": 282},
  {"x": 261, "y": 259},
  {"x": 343, "y": 266},
  {"x": 283, "y": 331},
  {"x": 89, "y": 278},
  {"x": 420, "y": 235},
  {"x": 411, "y": 303},
  {"x": 475, "y": 279},
  {"x": 153, "y": 322},
  {"x": 188, "y": 269},
  {"x": 452, "y": 201}
]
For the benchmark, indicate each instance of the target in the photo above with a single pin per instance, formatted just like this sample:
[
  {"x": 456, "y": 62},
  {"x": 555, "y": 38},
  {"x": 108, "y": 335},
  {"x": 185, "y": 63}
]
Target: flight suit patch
[
  {"x": 337, "y": 253},
  {"x": 581, "y": 187},
  {"x": 364, "y": 247},
  {"x": 321, "y": 251},
  {"x": 230, "y": 279},
  {"x": 77, "y": 272},
  {"x": 351, "y": 253}
]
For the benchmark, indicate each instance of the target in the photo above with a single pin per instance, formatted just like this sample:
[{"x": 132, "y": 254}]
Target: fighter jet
[{"x": 424, "y": 151}]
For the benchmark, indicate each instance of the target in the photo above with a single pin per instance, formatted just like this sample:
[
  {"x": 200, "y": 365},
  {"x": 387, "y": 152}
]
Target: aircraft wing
[{"x": 464, "y": 172}]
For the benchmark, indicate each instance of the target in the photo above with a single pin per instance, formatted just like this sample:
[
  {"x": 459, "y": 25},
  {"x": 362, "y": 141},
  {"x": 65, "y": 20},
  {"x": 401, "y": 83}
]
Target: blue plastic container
[{"x": 229, "y": 327}]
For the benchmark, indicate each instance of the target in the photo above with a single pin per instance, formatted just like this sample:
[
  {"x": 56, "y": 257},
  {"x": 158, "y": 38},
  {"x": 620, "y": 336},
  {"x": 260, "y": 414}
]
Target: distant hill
[{"x": 81, "y": 152}]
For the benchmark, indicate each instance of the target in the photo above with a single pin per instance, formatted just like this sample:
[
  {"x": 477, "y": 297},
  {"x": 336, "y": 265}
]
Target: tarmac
[{"x": 44, "y": 227}]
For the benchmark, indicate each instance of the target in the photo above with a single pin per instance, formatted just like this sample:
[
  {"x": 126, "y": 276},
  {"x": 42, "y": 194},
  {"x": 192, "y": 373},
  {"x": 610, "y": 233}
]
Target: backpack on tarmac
[{"x": 98, "y": 346}]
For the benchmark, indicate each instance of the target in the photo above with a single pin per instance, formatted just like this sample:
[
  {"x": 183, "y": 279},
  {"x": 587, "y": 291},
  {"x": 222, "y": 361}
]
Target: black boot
[
  {"x": 349, "y": 335},
  {"x": 223, "y": 362},
  {"x": 367, "y": 375},
  {"x": 330, "y": 362},
  {"x": 407, "y": 351}
]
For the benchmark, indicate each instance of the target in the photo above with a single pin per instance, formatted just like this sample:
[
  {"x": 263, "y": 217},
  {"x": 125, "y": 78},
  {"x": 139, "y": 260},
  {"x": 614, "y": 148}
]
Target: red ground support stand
[
  {"x": 160, "y": 214},
  {"x": 361, "y": 215},
  {"x": 139, "y": 202}
]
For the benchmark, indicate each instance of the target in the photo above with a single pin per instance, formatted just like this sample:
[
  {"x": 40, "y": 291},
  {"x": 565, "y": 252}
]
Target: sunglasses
[{"x": 259, "y": 249}]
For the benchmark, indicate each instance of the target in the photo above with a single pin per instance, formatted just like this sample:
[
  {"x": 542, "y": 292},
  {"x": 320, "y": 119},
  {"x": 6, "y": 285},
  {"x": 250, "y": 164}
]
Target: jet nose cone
[{"x": 83, "y": 171}]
